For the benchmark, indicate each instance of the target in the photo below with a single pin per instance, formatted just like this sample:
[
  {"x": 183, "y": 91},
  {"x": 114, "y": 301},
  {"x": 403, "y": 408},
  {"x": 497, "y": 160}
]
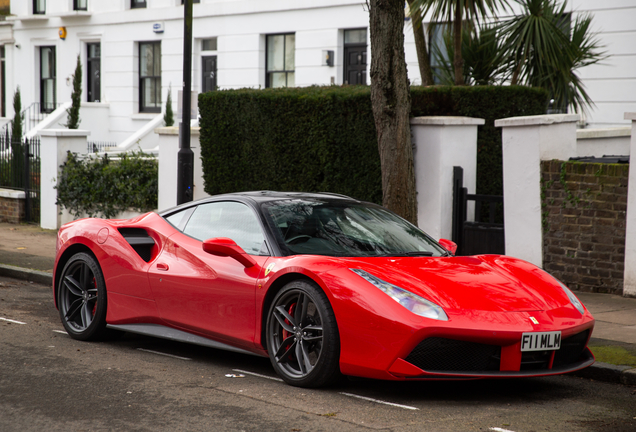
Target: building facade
[{"x": 131, "y": 52}]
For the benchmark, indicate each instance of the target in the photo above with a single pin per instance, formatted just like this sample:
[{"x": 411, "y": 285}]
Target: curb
[
  {"x": 37, "y": 276},
  {"x": 606, "y": 372}
]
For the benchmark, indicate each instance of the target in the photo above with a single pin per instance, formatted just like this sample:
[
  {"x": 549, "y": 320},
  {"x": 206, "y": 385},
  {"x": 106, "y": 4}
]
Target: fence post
[
  {"x": 27, "y": 183},
  {"x": 442, "y": 143},
  {"x": 54, "y": 145},
  {"x": 629, "y": 275}
]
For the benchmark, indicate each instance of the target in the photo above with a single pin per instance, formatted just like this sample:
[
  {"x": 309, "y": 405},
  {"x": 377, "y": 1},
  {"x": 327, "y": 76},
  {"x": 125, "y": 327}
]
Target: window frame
[
  {"x": 90, "y": 61},
  {"x": 36, "y": 8},
  {"x": 142, "y": 107},
  {"x": 268, "y": 73},
  {"x": 53, "y": 78},
  {"x": 79, "y": 8}
]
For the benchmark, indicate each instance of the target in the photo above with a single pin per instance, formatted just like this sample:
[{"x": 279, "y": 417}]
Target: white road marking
[
  {"x": 258, "y": 375},
  {"x": 380, "y": 401},
  {"x": 496, "y": 429},
  {"x": 11, "y": 321},
  {"x": 61, "y": 331},
  {"x": 163, "y": 354}
]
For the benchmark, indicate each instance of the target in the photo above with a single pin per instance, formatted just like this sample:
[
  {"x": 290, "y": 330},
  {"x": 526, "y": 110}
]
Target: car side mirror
[
  {"x": 225, "y": 247},
  {"x": 450, "y": 246}
]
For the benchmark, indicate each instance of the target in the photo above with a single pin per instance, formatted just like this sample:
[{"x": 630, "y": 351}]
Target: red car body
[{"x": 490, "y": 300}]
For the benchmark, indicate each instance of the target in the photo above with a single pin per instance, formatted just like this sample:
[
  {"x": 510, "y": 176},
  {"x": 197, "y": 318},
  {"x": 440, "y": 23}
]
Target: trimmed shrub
[
  {"x": 323, "y": 138},
  {"x": 105, "y": 187}
]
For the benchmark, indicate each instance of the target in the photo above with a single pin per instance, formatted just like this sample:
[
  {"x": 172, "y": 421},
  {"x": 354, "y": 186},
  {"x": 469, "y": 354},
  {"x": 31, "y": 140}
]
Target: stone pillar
[
  {"x": 526, "y": 141},
  {"x": 54, "y": 143},
  {"x": 629, "y": 283},
  {"x": 168, "y": 149},
  {"x": 440, "y": 144}
]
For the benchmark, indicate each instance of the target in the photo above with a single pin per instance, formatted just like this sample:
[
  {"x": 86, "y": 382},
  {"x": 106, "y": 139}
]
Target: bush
[
  {"x": 323, "y": 138},
  {"x": 106, "y": 187}
]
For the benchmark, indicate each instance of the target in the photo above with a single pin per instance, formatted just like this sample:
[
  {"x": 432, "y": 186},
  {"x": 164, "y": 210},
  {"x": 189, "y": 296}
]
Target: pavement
[{"x": 27, "y": 252}]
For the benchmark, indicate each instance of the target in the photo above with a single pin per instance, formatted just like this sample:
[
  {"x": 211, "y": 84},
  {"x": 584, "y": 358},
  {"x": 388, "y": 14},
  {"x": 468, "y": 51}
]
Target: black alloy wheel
[
  {"x": 81, "y": 298},
  {"x": 302, "y": 336}
]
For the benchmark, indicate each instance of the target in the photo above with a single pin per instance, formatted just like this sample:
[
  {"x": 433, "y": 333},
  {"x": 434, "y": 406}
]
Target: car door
[{"x": 208, "y": 294}]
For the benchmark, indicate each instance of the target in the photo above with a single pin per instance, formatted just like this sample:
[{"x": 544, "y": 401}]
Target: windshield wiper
[{"x": 412, "y": 254}]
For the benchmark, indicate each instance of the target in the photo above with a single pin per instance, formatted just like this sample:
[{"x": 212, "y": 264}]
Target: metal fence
[
  {"x": 20, "y": 170},
  {"x": 31, "y": 117},
  {"x": 99, "y": 146}
]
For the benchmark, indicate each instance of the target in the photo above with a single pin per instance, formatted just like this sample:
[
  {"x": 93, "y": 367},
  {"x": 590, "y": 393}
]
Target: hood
[{"x": 484, "y": 282}]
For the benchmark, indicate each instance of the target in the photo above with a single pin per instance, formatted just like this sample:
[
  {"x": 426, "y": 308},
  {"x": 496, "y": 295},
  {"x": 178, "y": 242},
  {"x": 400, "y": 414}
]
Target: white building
[{"x": 131, "y": 52}]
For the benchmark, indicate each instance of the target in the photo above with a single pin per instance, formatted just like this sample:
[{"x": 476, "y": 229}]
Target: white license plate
[{"x": 541, "y": 341}]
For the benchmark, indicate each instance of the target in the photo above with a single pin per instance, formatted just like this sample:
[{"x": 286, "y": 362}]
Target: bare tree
[{"x": 391, "y": 102}]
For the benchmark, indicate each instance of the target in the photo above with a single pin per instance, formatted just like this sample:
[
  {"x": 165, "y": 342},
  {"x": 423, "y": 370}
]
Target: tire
[
  {"x": 303, "y": 342},
  {"x": 81, "y": 298}
]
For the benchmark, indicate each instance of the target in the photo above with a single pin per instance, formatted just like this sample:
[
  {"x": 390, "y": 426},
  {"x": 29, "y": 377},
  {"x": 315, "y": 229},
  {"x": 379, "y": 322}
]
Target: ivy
[{"x": 105, "y": 187}]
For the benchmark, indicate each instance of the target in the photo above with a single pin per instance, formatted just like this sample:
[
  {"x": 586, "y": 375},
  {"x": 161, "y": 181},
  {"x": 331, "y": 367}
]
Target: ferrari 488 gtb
[{"x": 323, "y": 285}]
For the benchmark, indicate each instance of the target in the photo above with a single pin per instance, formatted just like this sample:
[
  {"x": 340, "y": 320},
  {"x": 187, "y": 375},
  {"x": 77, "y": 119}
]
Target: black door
[
  {"x": 93, "y": 74},
  {"x": 355, "y": 65},
  {"x": 209, "y": 73}
]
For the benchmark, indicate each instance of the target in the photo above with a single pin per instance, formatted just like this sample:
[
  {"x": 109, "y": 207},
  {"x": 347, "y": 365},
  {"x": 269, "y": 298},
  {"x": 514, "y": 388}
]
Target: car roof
[{"x": 259, "y": 197}]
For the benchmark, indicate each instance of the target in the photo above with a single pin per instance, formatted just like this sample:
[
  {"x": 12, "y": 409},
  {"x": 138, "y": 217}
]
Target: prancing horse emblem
[{"x": 534, "y": 320}]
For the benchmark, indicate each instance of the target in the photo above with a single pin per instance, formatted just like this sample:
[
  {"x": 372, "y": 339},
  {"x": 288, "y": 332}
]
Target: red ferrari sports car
[{"x": 323, "y": 284}]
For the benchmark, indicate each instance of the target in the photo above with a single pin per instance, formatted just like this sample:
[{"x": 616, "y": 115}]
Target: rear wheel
[
  {"x": 302, "y": 336},
  {"x": 82, "y": 298}
]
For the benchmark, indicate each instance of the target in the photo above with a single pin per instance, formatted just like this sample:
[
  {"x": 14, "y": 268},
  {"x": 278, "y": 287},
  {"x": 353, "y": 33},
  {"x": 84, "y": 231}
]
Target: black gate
[
  {"x": 20, "y": 170},
  {"x": 478, "y": 236}
]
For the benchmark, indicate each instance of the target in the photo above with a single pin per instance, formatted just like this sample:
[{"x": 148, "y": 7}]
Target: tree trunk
[
  {"x": 420, "y": 46},
  {"x": 458, "y": 63},
  {"x": 391, "y": 103}
]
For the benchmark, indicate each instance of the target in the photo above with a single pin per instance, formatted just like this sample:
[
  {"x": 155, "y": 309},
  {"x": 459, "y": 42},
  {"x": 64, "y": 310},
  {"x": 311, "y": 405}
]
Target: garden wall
[{"x": 584, "y": 217}]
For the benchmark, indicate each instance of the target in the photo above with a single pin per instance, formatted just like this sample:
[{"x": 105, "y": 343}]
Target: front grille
[
  {"x": 571, "y": 349},
  {"x": 449, "y": 355}
]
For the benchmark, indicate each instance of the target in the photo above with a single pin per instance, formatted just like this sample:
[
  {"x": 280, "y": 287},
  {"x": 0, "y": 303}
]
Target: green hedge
[
  {"x": 105, "y": 187},
  {"x": 323, "y": 138}
]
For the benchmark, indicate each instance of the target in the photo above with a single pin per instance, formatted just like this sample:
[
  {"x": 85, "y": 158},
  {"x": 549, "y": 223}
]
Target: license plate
[{"x": 541, "y": 341}]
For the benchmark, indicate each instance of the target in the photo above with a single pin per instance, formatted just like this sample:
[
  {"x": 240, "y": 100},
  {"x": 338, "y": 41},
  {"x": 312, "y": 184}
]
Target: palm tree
[
  {"x": 545, "y": 53},
  {"x": 456, "y": 11}
]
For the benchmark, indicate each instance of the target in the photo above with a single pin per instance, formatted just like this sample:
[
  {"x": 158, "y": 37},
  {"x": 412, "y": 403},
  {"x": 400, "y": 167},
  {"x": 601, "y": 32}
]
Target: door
[
  {"x": 209, "y": 73},
  {"x": 355, "y": 57},
  {"x": 93, "y": 72},
  {"x": 200, "y": 292}
]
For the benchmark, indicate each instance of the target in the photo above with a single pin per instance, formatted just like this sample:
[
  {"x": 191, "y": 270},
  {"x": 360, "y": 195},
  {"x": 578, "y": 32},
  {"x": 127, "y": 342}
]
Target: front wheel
[
  {"x": 82, "y": 298},
  {"x": 302, "y": 336}
]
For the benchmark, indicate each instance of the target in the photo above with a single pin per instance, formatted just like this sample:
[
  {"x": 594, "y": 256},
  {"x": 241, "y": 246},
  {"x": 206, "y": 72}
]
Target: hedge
[{"x": 323, "y": 138}]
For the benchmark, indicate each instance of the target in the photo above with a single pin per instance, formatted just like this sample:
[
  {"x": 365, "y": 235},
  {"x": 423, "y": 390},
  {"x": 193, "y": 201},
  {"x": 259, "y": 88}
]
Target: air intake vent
[{"x": 140, "y": 241}]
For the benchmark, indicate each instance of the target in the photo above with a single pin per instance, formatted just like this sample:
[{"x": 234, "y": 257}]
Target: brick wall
[
  {"x": 583, "y": 209},
  {"x": 11, "y": 210}
]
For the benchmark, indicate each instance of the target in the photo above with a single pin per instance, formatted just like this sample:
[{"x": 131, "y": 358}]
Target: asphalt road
[{"x": 51, "y": 382}]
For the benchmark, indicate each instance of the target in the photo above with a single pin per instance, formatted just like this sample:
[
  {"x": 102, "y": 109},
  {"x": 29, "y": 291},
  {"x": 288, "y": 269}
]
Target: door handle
[{"x": 162, "y": 267}]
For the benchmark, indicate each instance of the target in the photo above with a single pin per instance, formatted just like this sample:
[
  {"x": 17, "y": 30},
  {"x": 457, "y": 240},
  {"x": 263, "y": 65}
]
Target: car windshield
[{"x": 345, "y": 228}]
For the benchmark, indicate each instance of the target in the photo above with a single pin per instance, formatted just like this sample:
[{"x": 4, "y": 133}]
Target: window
[
  {"x": 227, "y": 219},
  {"x": 93, "y": 60},
  {"x": 39, "y": 6},
  {"x": 193, "y": 1},
  {"x": 355, "y": 57},
  {"x": 438, "y": 54},
  {"x": 281, "y": 60},
  {"x": 149, "y": 77},
  {"x": 3, "y": 84},
  {"x": 47, "y": 79},
  {"x": 80, "y": 5},
  {"x": 208, "y": 44},
  {"x": 137, "y": 4}
]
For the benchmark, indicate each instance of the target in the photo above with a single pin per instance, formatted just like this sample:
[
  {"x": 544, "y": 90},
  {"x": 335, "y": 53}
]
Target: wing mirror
[
  {"x": 225, "y": 247},
  {"x": 450, "y": 246}
]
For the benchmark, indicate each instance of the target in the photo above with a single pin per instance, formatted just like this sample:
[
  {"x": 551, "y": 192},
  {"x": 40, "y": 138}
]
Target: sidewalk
[{"x": 28, "y": 252}]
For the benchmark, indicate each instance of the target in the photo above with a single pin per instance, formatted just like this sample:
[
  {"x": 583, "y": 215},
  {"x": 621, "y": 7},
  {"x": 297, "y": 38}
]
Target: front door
[
  {"x": 355, "y": 57},
  {"x": 209, "y": 73}
]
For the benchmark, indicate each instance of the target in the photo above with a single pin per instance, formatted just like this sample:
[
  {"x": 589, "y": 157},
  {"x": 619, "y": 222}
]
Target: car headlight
[
  {"x": 410, "y": 301},
  {"x": 575, "y": 301}
]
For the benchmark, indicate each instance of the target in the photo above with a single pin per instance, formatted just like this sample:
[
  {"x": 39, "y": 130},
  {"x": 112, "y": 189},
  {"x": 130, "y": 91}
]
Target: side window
[
  {"x": 227, "y": 219},
  {"x": 179, "y": 219}
]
